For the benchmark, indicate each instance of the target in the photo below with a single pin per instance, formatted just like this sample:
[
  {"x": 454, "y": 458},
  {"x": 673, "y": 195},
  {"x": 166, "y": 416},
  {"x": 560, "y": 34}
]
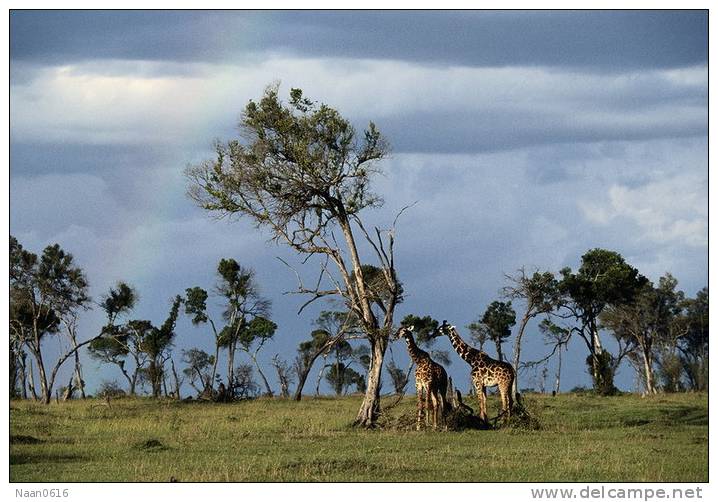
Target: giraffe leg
[
  {"x": 506, "y": 404},
  {"x": 509, "y": 398},
  {"x": 481, "y": 394},
  {"x": 428, "y": 408},
  {"x": 441, "y": 409},
  {"x": 438, "y": 408},
  {"x": 419, "y": 406},
  {"x": 435, "y": 409}
]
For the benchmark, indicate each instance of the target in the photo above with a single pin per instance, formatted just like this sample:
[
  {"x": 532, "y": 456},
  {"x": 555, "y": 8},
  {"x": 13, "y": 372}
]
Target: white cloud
[
  {"x": 143, "y": 102},
  {"x": 674, "y": 209}
]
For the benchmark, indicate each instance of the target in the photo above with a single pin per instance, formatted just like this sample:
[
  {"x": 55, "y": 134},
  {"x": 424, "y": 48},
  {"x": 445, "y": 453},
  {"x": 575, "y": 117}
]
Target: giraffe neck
[
  {"x": 465, "y": 351},
  {"x": 417, "y": 355}
]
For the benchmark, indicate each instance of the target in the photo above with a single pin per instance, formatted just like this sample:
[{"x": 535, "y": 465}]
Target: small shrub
[
  {"x": 150, "y": 445},
  {"x": 110, "y": 389}
]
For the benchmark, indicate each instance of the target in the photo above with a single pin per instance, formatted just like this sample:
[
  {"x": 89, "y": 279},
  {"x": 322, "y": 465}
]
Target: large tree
[
  {"x": 539, "y": 292},
  {"x": 653, "y": 319},
  {"x": 694, "y": 345},
  {"x": 303, "y": 173},
  {"x": 603, "y": 279},
  {"x": 46, "y": 295}
]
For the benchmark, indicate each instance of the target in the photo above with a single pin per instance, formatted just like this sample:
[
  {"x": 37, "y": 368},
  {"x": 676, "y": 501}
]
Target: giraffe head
[
  {"x": 443, "y": 329},
  {"x": 402, "y": 331}
]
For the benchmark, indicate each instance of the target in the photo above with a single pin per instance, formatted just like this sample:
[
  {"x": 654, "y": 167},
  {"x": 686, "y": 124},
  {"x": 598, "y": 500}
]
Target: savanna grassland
[{"x": 579, "y": 438}]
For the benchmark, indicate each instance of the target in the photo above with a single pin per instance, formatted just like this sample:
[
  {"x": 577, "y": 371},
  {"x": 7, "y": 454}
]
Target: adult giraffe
[{"x": 485, "y": 371}]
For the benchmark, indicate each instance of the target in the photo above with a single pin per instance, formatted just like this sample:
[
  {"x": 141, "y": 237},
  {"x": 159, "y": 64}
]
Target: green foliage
[
  {"x": 604, "y": 278},
  {"x": 303, "y": 166},
  {"x": 157, "y": 340},
  {"x": 111, "y": 348},
  {"x": 199, "y": 367},
  {"x": 670, "y": 371},
  {"x": 110, "y": 389},
  {"x": 399, "y": 377},
  {"x": 498, "y": 318},
  {"x": 44, "y": 291},
  {"x": 601, "y": 367},
  {"x": 195, "y": 304},
  {"x": 120, "y": 299},
  {"x": 258, "y": 330},
  {"x": 341, "y": 377},
  {"x": 424, "y": 328},
  {"x": 378, "y": 288}
]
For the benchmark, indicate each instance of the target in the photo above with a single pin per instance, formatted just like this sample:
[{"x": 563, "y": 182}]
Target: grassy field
[{"x": 580, "y": 438}]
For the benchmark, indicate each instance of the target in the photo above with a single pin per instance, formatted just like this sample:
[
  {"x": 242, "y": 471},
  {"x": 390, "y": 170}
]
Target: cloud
[
  {"x": 666, "y": 210},
  {"x": 593, "y": 39},
  {"x": 421, "y": 108},
  {"x": 526, "y": 138}
]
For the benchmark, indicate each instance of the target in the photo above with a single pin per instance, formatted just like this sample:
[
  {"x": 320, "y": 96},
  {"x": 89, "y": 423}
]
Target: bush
[
  {"x": 603, "y": 378},
  {"x": 110, "y": 389}
]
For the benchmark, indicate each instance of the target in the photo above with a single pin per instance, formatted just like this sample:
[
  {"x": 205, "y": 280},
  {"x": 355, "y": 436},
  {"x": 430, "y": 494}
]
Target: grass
[{"x": 581, "y": 438}]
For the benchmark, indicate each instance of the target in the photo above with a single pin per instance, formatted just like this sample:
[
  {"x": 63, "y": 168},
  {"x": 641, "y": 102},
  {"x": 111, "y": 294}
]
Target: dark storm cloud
[{"x": 601, "y": 39}]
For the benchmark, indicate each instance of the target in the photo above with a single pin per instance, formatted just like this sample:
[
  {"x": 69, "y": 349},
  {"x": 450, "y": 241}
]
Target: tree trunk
[
  {"x": 177, "y": 382},
  {"x": 499, "y": 353},
  {"x": 517, "y": 355},
  {"x": 321, "y": 374},
  {"x": 45, "y": 390},
  {"x": 23, "y": 374},
  {"x": 78, "y": 367},
  {"x": 155, "y": 379},
  {"x": 230, "y": 369},
  {"x": 370, "y": 407},
  {"x": 31, "y": 377},
  {"x": 133, "y": 382},
  {"x": 596, "y": 350},
  {"x": 261, "y": 374},
  {"x": 648, "y": 370},
  {"x": 214, "y": 366},
  {"x": 558, "y": 372},
  {"x": 301, "y": 380},
  {"x": 126, "y": 375},
  {"x": 69, "y": 390}
]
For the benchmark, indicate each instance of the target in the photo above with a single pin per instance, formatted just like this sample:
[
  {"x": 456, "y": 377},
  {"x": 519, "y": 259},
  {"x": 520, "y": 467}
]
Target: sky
[{"x": 525, "y": 138}]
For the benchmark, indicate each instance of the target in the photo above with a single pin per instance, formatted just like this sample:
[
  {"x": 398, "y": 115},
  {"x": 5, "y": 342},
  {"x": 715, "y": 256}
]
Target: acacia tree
[
  {"x": 558, "y": 336},
  {"x": 651, "y": 319},
  {"x": 45, "y": 295},
  {"x": 155, "y": 343},
  {"x": 251, "y": 340},
  {"x": 238, "y": 286},
  {"x": 540, "y": 294},
  {"x": 200, "y": 366},
  {"x": 497, "y": 320},
  {"x": 284, "y": 375},
  {"x": 114, "y": 348},
  {"x": 336, "y": 327},
  {"x": 694, "y": 345},
  {"x": 196, "y": 306},
  {"x": 303, "y": 173}
]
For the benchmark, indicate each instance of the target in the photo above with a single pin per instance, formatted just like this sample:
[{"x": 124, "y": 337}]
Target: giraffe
[
  {"x": 485, "y": 371},
  {"x": 431, "y": 381}
]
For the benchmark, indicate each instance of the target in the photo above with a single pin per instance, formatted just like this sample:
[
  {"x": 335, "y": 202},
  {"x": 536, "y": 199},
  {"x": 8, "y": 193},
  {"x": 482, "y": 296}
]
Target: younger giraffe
[
  {"x": 431, "y": 381},
  {"x": 485, "y": 371}
]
